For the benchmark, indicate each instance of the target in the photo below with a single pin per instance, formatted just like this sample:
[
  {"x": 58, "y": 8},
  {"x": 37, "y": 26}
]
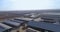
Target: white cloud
[
  {"x": 27, "y": 4},
  {"x": 33, "y": 4}
]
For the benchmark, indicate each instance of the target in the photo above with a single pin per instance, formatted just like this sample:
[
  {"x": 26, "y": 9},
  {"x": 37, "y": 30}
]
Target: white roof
[
  {"x": 6, "y": 26},
  {"x": 24, "y": 18},
  {"x": 52, "y": 13}
]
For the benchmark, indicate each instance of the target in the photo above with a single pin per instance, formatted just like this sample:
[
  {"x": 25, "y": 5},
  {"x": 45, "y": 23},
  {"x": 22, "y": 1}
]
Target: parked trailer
[
  {"x": 5, "y": 28},
  {"x": 43, "y": 26}
]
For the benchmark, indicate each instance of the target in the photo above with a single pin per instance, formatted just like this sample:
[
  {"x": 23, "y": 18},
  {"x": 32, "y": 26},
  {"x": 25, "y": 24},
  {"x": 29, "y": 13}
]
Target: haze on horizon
[{"x": 29, "y": 4}]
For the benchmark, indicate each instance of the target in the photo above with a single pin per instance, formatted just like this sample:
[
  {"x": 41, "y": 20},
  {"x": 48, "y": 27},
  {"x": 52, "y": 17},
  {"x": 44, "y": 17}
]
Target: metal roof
[
  {"x": 4, "y": 27},
  {"x": 43, "y": 25},
  {"x": 51, "y": 13},
  {"x": 18, "y": 21},
  {"x": 12, "y": 23},
  {"x": 27, "y": 19}
]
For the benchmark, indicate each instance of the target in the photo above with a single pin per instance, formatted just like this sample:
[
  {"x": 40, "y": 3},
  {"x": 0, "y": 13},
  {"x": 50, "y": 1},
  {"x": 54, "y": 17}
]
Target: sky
[{"x": 29, "y": 4}]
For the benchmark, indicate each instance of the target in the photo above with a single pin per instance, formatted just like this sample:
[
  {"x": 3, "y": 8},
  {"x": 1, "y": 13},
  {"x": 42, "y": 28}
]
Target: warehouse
[{"x": 42, "y": 26}]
